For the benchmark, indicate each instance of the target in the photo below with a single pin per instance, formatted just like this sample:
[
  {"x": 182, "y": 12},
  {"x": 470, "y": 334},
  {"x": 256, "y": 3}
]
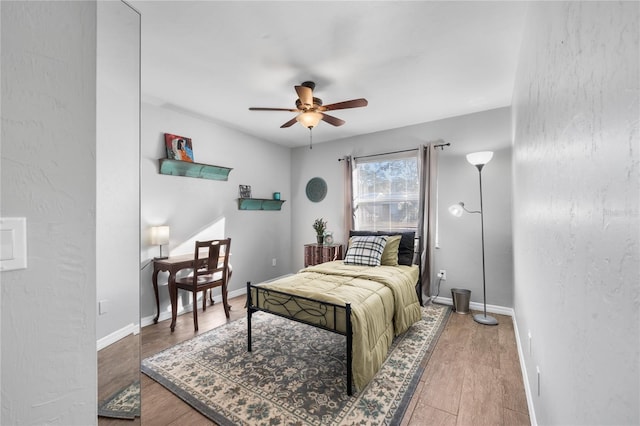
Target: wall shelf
[
  {"x": 196, "y": 170},
  {"x": 259, "y": 204}
]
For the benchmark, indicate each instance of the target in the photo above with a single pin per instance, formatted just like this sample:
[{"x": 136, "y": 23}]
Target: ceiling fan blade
[
  {"x": 305, "y": 94},
  {"x": 289, "y": 123},
  {"x": 332, "y": 120},
  {"x": 354, "y": 103},
  {"x": 273, "y": 109}
]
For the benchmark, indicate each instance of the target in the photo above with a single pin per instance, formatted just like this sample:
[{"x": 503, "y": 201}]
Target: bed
[{"x": 366, "y": 302}]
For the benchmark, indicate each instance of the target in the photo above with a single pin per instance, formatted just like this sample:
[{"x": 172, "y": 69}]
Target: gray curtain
[
  {"x": 347, "y": 168},
  {"x": 428, "y": 160}
]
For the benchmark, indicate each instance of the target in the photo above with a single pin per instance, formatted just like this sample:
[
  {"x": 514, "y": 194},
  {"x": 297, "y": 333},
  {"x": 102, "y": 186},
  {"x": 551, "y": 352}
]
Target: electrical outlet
[
  {"x": 103, "y": 307},
  {"x": 273, "y": 262},
  {"x": 442, "y": 274}
]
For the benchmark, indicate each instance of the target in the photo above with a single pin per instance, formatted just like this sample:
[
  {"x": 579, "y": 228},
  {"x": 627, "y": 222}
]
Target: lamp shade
[
  {"x": 309, "y": 119},
  {"x": 479, "y": 158},
  {"x": 456, "y": 210},
  {"x": 159, "y": 235}
]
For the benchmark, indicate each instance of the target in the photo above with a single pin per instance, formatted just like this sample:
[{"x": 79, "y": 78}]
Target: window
[{"x": 386, "y": 192}]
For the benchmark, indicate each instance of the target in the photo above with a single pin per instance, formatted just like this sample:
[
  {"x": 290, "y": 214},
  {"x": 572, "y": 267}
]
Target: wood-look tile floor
[
  {"x": 472, "y": 378},
  {"x": 118, "y": 366}
]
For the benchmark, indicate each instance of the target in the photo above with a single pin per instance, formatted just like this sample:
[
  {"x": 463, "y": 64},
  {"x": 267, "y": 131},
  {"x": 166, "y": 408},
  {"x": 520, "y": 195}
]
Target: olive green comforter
[{"x": 383, "y": 301}]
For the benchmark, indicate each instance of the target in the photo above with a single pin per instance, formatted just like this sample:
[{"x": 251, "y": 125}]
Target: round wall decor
[{"x": 316, "y": 189}]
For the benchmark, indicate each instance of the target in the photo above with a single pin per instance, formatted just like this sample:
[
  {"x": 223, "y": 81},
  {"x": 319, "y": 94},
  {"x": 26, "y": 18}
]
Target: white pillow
[{"x": 365, "y": 250}]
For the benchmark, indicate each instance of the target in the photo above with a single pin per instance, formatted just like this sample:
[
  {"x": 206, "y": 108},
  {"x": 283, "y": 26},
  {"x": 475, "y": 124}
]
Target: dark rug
[
  {"x": 124, "y": 404},
  {"x": 296, "y": 374}
]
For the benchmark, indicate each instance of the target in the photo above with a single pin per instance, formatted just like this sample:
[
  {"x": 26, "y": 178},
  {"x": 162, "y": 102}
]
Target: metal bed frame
[{"x": 319, "y": 311}]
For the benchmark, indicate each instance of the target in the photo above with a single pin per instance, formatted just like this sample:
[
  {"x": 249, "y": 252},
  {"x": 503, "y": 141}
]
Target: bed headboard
[
  {"x": 407, "y": 248},
  {"x": 409, "y": 251}
]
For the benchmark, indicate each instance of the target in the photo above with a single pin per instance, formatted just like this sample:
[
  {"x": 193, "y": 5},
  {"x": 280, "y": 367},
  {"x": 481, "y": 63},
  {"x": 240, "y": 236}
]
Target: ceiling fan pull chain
[{"x": 310, "y": 138}]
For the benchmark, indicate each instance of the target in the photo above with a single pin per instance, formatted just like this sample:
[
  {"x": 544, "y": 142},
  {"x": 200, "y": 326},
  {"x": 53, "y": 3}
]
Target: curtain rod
[
  {"x": 441, "y": 146},
  {"x": 382, "y": 153},
  {"x": 385, "y": 153}
]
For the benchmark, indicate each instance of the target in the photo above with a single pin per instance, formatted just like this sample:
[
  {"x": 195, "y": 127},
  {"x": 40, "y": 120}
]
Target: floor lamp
[{"x": 478, "y": 159}]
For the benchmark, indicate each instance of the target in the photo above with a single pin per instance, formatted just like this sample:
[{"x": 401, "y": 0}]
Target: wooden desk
[{"x": 173, "y": 265}]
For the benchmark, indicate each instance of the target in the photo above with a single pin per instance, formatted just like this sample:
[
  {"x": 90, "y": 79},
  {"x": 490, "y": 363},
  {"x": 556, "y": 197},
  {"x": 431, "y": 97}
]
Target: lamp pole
[{"x": 483, "y": 319}]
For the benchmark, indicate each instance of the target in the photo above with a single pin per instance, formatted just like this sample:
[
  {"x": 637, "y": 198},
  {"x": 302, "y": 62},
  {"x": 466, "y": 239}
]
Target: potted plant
[{"x": 320, "y": 226}]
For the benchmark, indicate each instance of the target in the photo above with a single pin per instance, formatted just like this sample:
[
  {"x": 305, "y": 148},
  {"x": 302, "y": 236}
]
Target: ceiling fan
[{"x": 310, "y": 109}]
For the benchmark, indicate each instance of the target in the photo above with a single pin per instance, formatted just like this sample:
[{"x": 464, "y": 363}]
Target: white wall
[
  {"x": 118, "y": 169},
  {"x": 576, "y": 210},
  {"x": 488, "y": 130},
  {"x": 200, "y": 207},
  {"x": 48, "y": 176}
]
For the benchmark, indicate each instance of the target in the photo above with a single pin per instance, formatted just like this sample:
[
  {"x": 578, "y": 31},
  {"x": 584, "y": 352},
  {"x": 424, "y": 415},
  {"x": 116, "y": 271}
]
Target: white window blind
[{"x": 386, "y": 192}]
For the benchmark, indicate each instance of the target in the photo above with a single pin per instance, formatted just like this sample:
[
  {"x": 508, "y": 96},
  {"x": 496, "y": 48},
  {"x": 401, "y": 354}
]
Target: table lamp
[{"x": 160, "y": 236}]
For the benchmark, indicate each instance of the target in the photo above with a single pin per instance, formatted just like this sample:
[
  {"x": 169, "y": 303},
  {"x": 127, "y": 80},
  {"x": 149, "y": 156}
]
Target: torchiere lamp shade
[{"x": 479, "y": 158}]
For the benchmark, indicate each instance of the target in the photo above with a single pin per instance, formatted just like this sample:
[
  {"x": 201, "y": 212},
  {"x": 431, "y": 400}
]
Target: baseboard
[
  {"x": 166, "y": 315},
  {"x": 525, "y": 376},
  {"x": 494, "y": 309},
  {"x": 117, "y": 335}
]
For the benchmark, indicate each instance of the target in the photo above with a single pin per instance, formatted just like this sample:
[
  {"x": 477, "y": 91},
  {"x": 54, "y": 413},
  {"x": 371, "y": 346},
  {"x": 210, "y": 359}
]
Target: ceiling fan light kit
[{"x": 309, "y": 119}]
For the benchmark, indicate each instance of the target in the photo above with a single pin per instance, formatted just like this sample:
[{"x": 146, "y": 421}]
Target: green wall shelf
[
  {"x": 259, "y": 204},
  {"x": 196, "y": 170}
]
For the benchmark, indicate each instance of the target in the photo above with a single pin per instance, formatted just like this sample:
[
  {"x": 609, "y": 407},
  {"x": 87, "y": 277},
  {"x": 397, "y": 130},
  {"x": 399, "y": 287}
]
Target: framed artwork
[
  {"x": 178, "y": 147},
  {"x": 245, "y": 191}
]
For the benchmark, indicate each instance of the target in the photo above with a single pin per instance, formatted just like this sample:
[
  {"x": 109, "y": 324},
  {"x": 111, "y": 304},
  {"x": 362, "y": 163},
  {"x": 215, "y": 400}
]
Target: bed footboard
[{"x": 324, "y": 315}]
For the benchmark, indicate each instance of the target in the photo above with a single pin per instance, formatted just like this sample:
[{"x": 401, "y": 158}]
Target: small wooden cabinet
[{"x": 315, "y": 254}]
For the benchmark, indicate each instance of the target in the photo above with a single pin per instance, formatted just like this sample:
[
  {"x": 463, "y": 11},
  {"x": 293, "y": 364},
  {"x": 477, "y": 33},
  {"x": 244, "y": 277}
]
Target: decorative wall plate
[{"x": 316, "y": 189}]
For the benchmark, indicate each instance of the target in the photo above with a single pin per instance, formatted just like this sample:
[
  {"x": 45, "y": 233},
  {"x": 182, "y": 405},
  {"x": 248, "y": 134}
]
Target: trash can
[{"x": 461, "y": 299}]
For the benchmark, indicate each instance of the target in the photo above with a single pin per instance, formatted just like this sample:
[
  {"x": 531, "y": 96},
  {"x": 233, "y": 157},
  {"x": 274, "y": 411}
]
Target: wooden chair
[{"x": 211, "y": 270}]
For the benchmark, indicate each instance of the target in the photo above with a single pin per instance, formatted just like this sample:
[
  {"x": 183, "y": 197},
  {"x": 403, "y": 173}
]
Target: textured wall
[
  {"x": 576, "y": 213},
  {"x": 48, "y": 176}
]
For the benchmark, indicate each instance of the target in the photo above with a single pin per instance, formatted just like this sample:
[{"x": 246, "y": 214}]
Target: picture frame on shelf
[
  {"x": 245, "y": 191},
  {"x": 178, "y": 147}
]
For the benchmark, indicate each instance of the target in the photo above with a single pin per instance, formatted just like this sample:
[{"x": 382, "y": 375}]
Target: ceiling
[{"x": 414, "y": 61}]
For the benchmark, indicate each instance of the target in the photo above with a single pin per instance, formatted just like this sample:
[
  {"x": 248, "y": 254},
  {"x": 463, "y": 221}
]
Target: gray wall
[
  {"x": 202, "y": 208},
  {"x": 118, "y": 170},
  {"x": 460, "y": 249},
  {"x": 48, "y": 315},
  {"x": 576, "y": 211}
]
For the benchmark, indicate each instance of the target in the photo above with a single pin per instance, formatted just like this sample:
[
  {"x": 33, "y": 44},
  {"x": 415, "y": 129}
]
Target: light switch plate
[
  {"x": 13, "y": 243},
  {"x": 7, "y": 238}
]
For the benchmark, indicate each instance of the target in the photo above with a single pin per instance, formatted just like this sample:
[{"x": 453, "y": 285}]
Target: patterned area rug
[
  {"x": 124, "y": 404},
  {"x": 296, "y": 374}
]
